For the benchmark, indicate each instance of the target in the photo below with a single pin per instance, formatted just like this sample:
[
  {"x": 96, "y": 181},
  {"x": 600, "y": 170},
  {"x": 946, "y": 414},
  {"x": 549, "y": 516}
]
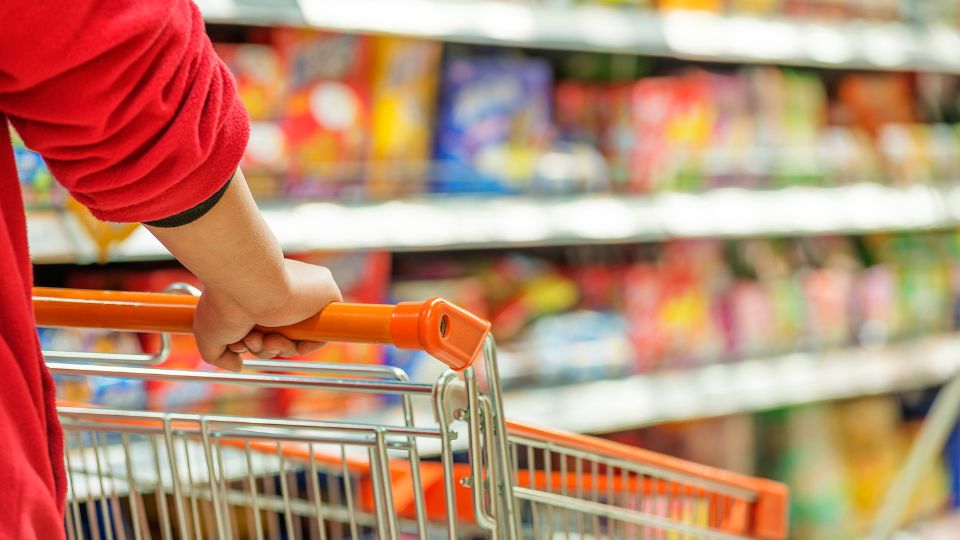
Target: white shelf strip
[
  {"x": 740, "y": 387},
  {"x": 685, "y": 34},
  {"x": 464, "y": 223}
]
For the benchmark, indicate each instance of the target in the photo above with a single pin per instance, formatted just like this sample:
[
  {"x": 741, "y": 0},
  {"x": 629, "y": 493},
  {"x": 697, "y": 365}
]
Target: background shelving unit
[{"x": 727, "y": 385}]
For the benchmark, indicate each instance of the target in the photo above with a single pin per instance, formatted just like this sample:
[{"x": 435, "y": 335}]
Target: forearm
[{"x": 231, "y": 249}]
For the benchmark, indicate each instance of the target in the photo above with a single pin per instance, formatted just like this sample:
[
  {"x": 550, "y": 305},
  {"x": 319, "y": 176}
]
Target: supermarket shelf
[
  {"x": 252, "y": 12},
  {"x": 682, "y": 34},
  {"x": 463, "y": 223},
  {"x": 745, "y": 386}
]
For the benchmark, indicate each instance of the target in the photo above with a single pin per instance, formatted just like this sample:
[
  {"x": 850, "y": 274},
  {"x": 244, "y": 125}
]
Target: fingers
[
  {"x": 307, "y": 347},
  {"x": 265, "y": 346},
  {"x": 229, "y": 361},
  {"x": 281, "y": 346},
  {"x": 254, "y": 341}
]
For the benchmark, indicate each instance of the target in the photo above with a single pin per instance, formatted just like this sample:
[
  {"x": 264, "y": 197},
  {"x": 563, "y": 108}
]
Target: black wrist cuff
[{"x": 192, "y": 214}]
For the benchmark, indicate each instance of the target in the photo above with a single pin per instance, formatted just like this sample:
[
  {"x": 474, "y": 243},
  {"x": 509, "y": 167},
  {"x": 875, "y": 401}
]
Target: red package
[
  {"x": 643, "y": 297},
  {"x": 327, "y": 117},
  {"x": 576, "y": 107},
  {"x": 672, "y": 121}
]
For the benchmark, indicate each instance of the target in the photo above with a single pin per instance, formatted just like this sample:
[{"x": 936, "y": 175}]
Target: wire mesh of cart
[{"x": 446, "y": 465}]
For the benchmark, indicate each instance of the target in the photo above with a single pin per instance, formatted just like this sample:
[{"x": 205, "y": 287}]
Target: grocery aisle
[{"x": 722, "y": 231}]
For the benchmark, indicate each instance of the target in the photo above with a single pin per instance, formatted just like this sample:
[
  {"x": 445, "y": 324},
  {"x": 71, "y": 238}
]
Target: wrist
[{"x": 270, "y": 297}]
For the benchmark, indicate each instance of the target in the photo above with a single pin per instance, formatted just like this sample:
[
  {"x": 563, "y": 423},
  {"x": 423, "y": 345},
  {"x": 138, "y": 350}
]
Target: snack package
[
  {"x": 874, "y": 443},
  {"x": 260, "y": 82},
  {"x": 262, "y": 88},
  {"x": 727, "y": 159},
  {"x": 493, "y": 124},
  {"x": 405, "y": 79},
  {"x": 672, "y": 120},
  {"x": 327, "y": 114},
  {"x": 872, "y": 100},
  {"x": 643, "y": 300},
  {"x": 577, "y": 345},
  {"x": 617, "y": 136},
  {"x": 875, "y": 305},
  {"x": 828, "y": 287},
  {"x": 801, "y": 111},
  {"x": 693, "y": 276},
  {"x": 577, "y": 112},
  {"x": 885, "y": 106},
  {"x": 799, "y": 446}
]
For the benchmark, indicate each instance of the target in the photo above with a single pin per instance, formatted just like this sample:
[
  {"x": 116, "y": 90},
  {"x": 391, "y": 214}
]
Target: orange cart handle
[{"x": 443, "y": 330}]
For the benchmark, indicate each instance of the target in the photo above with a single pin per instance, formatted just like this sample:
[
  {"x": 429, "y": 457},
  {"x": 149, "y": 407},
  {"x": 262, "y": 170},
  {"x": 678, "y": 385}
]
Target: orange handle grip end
[{"x": 448, "y": 333}]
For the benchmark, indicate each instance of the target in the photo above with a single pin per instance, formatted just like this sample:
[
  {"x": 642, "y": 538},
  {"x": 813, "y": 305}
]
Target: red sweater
[{"x": 136, "y": 116}]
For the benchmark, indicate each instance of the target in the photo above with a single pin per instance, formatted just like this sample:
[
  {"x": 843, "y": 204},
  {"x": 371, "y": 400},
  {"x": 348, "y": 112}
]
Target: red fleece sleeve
[{"x": 125, "y": 99}]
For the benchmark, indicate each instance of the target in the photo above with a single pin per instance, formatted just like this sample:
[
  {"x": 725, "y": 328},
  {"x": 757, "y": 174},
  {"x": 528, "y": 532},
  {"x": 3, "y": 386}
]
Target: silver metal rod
[
  {"x": 620, "y": 514},
  {"x": 377, "y": 483},
  {"x": 285, "y": 494},
  {"x": 260, "y": 380},
  {"x": 159, "y": 417},
  {"x": 443, "y": 386},
  {"x": 211, "y": 476},
  {"x": 373, "y": 371},
  {"x": 141, "y": 359},
  {"x": 160, "y": 493},
  {"x": 480, "y": 512},
  {"x": 348, "y": 492},
  {"x": 71, "y": 484},
  {"x": 105, "y": 512},
  {"x": 314, "y": 486},
  {"x": 194, "y": 509},
  {"x": 175, "y": 477},
  {"x": 252, "y": 486},
  {"x": 137, "y": 508},
  {"x": 508, "y": 511},
  {"x": 383, "y": 462}
]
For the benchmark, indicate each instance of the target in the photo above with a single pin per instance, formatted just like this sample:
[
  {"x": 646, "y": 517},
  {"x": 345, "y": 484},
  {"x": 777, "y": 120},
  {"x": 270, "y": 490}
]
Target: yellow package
[{"x": 405, "y": 77}]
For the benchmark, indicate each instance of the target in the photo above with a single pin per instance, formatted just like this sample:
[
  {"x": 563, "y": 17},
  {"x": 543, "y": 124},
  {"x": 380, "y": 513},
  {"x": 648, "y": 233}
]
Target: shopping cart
[{"x": 467, "y": 472}]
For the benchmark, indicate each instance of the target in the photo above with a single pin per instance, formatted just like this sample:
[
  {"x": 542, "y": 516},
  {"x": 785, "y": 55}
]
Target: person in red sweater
[{"x": 137, "y": 117}]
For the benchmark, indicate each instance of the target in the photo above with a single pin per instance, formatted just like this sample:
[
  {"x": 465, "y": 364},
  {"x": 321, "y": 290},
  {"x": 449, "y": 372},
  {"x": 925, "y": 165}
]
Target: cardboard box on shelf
[
  {"x": 493, "y": 124},
  {"x": 405, "y": 80},
  {"x": 327, "y": 114}
]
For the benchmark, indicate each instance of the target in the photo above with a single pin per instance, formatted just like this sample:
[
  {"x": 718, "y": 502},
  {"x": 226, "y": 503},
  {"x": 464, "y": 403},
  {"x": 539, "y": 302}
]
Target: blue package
[{"x": 493, "y": 124}]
